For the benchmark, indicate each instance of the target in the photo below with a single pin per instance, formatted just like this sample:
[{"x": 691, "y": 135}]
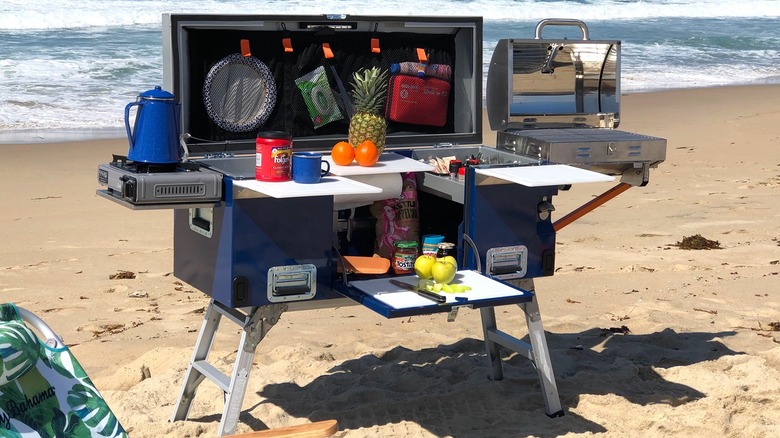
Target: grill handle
[{"x": 562, "y": 22}]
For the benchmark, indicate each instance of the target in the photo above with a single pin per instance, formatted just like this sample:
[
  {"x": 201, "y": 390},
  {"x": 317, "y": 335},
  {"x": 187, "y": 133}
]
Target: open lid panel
[
  {"x": 268, "y": 88},
  {"x": 554, "y": 83}
]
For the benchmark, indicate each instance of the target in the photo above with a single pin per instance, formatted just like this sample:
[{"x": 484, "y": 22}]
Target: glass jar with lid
[
  {"x": 446, "y": 249},
  {"x": 404, "y": 256}
]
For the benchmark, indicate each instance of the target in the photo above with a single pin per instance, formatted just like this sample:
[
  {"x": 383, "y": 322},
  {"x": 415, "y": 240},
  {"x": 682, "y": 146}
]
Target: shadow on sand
[{"x": 446, "y": 390}]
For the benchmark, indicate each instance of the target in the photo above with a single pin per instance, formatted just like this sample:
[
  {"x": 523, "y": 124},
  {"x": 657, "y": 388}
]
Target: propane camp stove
[{"x": 148, "y": 185}]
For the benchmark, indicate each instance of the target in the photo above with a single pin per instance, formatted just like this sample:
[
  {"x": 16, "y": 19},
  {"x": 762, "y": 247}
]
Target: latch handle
[{"x": 292, "y": 283}]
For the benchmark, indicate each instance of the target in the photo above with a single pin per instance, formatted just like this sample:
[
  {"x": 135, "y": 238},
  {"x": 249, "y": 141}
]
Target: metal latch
[
  {"x": 292, "y": 283},
  {"x": 507, "y": 262},
  {"x": 202, "y": 221}
]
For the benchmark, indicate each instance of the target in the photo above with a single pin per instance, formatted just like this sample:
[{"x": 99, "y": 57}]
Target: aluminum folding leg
[
  {"x": 541, "y": 358},
  {"x": 537, "y": 351},
  {"x": 255, "y": 324}
]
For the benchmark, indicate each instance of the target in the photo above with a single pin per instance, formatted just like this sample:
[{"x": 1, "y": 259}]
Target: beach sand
[{"x": 647, "y": 339}]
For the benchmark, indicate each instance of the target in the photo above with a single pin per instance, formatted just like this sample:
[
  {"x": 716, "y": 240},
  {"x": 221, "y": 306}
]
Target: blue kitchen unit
[{"x": 259, "y": 249}]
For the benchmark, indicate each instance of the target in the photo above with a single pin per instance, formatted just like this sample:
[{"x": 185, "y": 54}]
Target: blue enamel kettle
[{"x": 155, "y": 137}]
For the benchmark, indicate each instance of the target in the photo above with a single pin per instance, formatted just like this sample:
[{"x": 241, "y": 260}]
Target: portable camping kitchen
[{"x": 259, "y": 248}]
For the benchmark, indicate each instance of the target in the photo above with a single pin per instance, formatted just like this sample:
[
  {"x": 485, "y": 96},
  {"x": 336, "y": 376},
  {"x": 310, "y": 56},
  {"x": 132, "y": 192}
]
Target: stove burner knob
[{"x": 129, "y": 188}]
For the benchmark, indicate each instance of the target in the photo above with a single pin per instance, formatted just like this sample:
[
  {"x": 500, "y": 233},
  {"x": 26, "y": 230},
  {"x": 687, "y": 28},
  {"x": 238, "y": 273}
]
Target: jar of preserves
[
  {"x": 446, "y": 249},
  {"x": 404, "y": 255}
]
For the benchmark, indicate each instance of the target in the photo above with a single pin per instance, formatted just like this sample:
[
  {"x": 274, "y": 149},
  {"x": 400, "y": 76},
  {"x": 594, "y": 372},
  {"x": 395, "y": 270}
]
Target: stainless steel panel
[
  {"x": 554, "y": 83},
  {"x": 606, "y": 151},
  {"x": 452, "y": 188}
]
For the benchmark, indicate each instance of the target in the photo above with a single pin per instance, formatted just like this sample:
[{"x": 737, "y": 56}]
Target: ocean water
[{"x": 68, "y": 68}]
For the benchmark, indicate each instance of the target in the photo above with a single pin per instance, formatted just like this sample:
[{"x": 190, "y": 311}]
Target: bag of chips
[{"x": 397, "y": 219}]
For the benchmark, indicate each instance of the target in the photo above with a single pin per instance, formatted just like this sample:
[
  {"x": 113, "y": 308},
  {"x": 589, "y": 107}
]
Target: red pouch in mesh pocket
[{"x": 418, "y": 101}]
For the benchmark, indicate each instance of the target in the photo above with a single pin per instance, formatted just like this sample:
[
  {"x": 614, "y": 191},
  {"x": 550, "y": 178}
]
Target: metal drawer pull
[
  {"x": 507, "y": 262},
  {"x": 292, "y": 283}
]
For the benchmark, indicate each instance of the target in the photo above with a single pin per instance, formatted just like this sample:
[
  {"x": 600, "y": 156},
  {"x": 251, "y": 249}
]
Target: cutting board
[
  {"x": 389, "y": 162},
  {"x": 482, "y": 288}
]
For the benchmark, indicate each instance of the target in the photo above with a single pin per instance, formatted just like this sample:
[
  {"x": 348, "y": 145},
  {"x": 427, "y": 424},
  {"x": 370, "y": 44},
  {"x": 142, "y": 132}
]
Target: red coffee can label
[{"x": 273, "y": 162}]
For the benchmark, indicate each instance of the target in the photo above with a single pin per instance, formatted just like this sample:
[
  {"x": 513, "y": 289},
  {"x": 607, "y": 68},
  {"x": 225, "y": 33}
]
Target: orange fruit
[
  {"x": 342, "y": 153},
  {"x": 367, "y": 154}
]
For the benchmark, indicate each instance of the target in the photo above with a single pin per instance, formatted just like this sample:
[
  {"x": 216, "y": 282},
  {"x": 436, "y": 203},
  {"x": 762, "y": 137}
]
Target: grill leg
[{"x": 255, "y": 325}]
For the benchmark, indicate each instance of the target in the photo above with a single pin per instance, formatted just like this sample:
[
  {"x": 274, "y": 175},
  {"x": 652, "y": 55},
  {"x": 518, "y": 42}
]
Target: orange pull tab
[
  {"x": 287, "y": 44},
  {"x": 375, "y": 45},
  {"x": 245, "y": 48},
  {"x": 326, "y": 50},
  {"x": 421, "y": 56}
]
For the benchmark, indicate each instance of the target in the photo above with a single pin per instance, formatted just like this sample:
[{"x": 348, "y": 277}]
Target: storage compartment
[
  {"x": 283, "y": 49},
  {"x": 452, "y": 188},
  {"x": 255, "y": 257}
]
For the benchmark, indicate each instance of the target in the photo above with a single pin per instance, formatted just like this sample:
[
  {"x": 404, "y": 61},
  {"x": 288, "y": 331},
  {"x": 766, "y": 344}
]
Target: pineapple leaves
[{"x": 369, "y": 87}]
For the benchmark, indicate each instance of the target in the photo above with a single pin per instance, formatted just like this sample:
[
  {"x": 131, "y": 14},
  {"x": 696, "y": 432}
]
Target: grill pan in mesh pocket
[{"x": 239, "y": 93}]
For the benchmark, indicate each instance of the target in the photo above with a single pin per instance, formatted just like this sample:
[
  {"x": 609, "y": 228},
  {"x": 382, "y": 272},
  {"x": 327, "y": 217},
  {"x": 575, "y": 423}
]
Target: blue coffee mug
[{"x": 307, "y": 167}]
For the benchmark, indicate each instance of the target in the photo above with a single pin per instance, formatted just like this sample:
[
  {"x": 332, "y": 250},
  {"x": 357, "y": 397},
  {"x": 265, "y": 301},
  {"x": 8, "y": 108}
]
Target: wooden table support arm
[{"x": 590, "y": 206}]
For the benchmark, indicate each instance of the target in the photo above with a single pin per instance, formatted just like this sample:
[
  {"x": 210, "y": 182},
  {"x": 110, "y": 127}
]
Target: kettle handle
[{"x": 127, "y": 123}]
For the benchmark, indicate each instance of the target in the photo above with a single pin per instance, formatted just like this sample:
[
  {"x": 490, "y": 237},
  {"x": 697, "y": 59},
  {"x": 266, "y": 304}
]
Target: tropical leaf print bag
[{"x": 44, "y": 392}]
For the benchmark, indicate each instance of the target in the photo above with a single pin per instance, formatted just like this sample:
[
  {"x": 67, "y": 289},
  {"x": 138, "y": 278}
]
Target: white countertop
[
  {"x": 328, "y": 186},
  {"x": 547, "y": 175},
  {"x": 389, "y": 162}
]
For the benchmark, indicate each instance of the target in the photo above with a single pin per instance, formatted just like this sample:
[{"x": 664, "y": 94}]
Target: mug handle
[{"x": 326, "y": 170}]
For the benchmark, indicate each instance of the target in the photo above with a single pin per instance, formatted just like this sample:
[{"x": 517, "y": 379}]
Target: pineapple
[{"x": 369, "y": 89}]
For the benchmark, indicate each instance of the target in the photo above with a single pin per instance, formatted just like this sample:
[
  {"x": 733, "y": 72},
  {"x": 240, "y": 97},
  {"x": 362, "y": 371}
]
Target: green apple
[
  {"x": 423, "y": 266},
  {"x": 450, "y": 259},
  {"x": 443, "y": 271}
]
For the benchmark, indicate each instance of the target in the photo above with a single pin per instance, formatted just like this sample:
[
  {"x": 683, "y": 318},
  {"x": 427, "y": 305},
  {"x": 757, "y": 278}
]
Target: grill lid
[{"x": 554, "y": 83}]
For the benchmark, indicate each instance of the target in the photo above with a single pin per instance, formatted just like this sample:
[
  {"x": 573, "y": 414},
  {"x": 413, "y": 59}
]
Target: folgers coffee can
[{"x": 273, "y": 158}]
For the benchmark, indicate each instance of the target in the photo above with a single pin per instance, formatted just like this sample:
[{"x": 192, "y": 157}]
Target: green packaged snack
[{"x": 319, "y": 98}]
